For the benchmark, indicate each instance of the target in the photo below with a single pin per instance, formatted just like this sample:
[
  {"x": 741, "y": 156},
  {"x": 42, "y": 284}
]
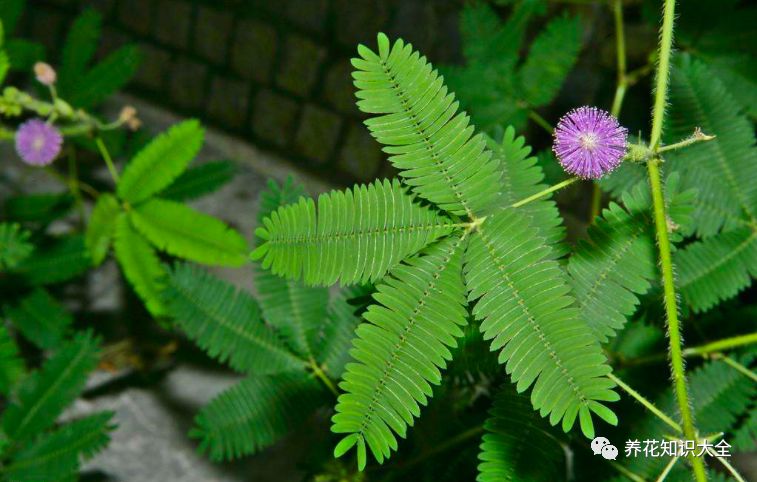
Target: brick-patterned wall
[{"x": 276, "y": 72}]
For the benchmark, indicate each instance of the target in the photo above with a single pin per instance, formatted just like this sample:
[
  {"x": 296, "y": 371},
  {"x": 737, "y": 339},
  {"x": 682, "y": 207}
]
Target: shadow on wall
[{"x": 274, "y": 72}]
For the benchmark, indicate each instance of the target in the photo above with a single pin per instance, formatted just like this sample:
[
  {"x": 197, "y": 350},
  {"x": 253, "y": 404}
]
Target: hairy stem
[
  {"x": 666, "y": 263},
  {"x": 647, "y": 404},
  {"x": 667, "y": 469},
  {"x": 739, "y": 367},
  {"x": 697, "y": 136}
]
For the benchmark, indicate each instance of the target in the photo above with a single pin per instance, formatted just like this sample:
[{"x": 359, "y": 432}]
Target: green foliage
[
  {"x": 719, "y": 396},
  {"x": 523, "y": 177},
  {"x": 431, "y": 144},
  {"x": 55, "y": 456},
  {"x": 43, "y": 395},
  {"x": 140, "y": 265},
  {"x": 225, "y": 322},
  {"x": 84, "y": 86},
  {"x": 11, "y": 364},
  {"x": 158, "y": 164},
  {"x": 64, "y": 258},
  {"x": 200, "y": 180},
  {"x": 517, "y": 289},
  {"x": 101, "y": 227},
  {"x": 165, "y": 224},
  {"x": 381, "y": 225},
  {"x": 524, "y": 304},
  {"x": 518, "y": 445},
  {"x": 717, "y": 268},
  {"x": 400, "y": 350},
  {"x": 255, "y": 413},
  {"x": 38, "y": 208},
  {"x": 41, "y": 319},
  {"x": 494, "y": 84},
  {"x": 181, "y": 231},
  {"x": 721, "y": 170},
  {"x": 14, "y": 245}
]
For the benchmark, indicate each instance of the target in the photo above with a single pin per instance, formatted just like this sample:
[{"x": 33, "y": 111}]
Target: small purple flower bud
[
  {"x": 45, "y": 74},
  {"x": 589, "y": 142},
  {"x": 38, "y": 143}
]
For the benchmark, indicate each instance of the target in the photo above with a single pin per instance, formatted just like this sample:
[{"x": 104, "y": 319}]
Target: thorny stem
[
  {"x": 545, "y": 192},
  {"x": 647, "y": 404},
  {"x": 321, "y": 375},
  {"x": 666, "y": 263},
  {"x": 106, "y": 157}
]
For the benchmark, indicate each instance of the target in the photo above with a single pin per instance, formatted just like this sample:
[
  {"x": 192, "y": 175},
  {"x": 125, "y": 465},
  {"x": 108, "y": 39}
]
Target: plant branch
[
  {"x": 647, "y": 404},
  {"x": 697, "y": 136},
  {"x": 544, "y": 192},
  {"x": 540, "y": 121},
  {"x": 321, "y": 375},
  {"x": 739, "y": 367},
  {"x": 106, "y": 157},
  {"x": 720, "y": 345},
  {"x": 730, "y": 468},
  {"x": 666, "y": 263},
  {"x": 667, "y": 469},
  {"x": 454, "y": 441}
]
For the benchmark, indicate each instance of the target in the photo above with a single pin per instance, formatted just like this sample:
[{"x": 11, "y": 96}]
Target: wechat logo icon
[{"x": 602, "y": 446}]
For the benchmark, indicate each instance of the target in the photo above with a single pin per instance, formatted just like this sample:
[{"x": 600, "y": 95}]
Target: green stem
[
  {"x": 721, "y": 345},
  {"x": 698, "y": 136},
  {"x": 667, "y": 469},
  {"x": 540, "y": 121},
  {"x": 454, "y": 441},
  {"x": 666, "y": 263},
  {"x": 545, "y": 192},
  {"x": 739, "y": 367},
  {"x": 647, "y": 404},
  {"x": 321, "y": 375},
  {"x": 106, "y": 157},
  {"x": 730, "y": 468}
]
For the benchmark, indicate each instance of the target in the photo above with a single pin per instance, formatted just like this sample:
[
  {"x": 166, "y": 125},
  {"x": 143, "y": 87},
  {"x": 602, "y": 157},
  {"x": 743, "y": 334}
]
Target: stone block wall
[{"x": 276, "y": 72}]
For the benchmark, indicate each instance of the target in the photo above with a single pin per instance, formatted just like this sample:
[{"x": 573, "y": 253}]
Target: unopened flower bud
[
  {"x": 45, "y": 73},
  {"x": 128, "y": 116}
]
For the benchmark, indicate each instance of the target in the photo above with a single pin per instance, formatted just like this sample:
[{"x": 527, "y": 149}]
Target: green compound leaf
[
  {"x": 43, "y": 395},
  {"x": 81, "y": 43},
  {"x": 517, "y": 444},
  {"x": 64, "y": 259},
  {"x": 11, "y": 365},
  {"x": 722, "y": 170},
  {"x": 522, "y": 298},
  {"x": 295, "y": 310},
  {"x": 102, "y": 227},
  {"x": 106, "y": 78},
  {"x": 717, "y": 268},
  {"x": 255, "y": 413},
  {"x": 181, "y": 231},
  {"x": 159, "y": 163},
  {"x": 57, "y": 455},
  {"x": 225, "y": 322},
  {"x": 355, "y": 236},
  {"x": 41, "y": 319},
  {"x": 432, "y": 145},
  {"x": 140, "y": 265},
  {"x": 200, "y": 180},
  {"x": 400, "y": 352},
  {"x": 14, "y": 245}
]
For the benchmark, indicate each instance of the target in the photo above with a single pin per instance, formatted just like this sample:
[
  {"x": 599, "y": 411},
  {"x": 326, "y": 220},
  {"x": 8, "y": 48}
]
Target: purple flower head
[
  {"x": 589, "y": 142},
  {"x": 38, "y": 143}
]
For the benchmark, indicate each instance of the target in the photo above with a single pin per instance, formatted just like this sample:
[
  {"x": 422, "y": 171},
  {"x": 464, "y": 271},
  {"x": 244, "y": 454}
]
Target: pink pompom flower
[
  {"x": 38, "y": 143},
  {"x": 589, "y": 142}
]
